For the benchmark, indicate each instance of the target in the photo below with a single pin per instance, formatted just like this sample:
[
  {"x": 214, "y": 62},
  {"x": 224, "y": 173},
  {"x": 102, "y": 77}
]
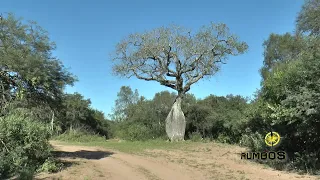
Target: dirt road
[{"x": 200, "y": 163}]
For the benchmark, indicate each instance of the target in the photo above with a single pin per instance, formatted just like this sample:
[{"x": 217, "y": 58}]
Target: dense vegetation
[
  {"x": 32, "y": 102},
  {"x": 213, "y": 117},
  {"x": 35, "y": 108}
]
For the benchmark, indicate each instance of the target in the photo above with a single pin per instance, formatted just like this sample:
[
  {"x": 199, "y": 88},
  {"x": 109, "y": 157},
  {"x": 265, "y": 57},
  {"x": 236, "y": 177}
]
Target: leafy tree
[
  {"x": 31, "y": 90},
  {"x": 77, "y": 114},
  {"x": 162, "y": 103},
  {"x": 98, "y": 123},
  {"x": 291, "y": 95},
  {"x": 176, "y": 58},
  {"x": 218, "y": 117},
  {"x": 145, "y": 116},
  {"x": 308, "y": 20},
  {"x": 76, "y": 110},
  {"x": 28, "y": 70},
  {"x": 197, "y": 120},
  {"x": 138, "y": 124},
  {"x": 280, "y": 48},
  {"x": 148, "y": 116},
  {"x": 23, "y": 144},
  {"x": 126, "y": 97}
]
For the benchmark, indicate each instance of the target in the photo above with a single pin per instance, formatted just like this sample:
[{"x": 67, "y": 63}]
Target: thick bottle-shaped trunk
[{"x": 176, "y": 122}]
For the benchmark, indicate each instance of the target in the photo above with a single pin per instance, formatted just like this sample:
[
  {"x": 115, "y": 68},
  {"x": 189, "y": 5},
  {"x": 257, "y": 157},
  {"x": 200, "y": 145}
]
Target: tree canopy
[
  {"x": 27, "y": 68},
  {"x": 280, "y": 49},
  {"x": 126, "y": 97},
  {"x": 174, "y": 56},
  {"x": 308, "y": 20}
]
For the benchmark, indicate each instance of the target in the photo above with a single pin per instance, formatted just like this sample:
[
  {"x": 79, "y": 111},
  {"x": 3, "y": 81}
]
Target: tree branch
[
  {"x": 193, "y": 80},
  {"x": 170, "y": 72},
  {"x": 191, "y": 57},
  {"x": 160, "y": 79},
  {"x": 5, "y": 146}
]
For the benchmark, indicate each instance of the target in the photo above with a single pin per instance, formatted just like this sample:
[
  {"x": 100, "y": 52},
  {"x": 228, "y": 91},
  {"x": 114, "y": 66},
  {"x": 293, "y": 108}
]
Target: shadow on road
[{"x": 82, "y": 154}]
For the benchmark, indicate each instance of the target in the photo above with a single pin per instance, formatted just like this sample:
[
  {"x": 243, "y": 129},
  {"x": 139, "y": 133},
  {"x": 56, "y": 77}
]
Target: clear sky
[{"x": 86, "y": 32}]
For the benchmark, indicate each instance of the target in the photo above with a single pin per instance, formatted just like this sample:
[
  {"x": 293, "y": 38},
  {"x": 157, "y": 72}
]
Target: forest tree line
[{"x": 33, "y": 104}]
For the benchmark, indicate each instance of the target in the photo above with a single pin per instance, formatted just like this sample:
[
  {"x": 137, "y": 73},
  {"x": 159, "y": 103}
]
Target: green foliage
[
  {"x": 76, "y": 113},
  {"x": 288, "y": 100},
  {"x": 280, "y": 49},
  {"x": 308, "y": 18},
  {"x": 33, "y": 105},
  {"x": 146, "y": 117},
  {"x": 76, "y": 109},
  {"x": 126, "y": 97},
  {"x": 224, "y": 139},
  {"x": 138, "y": 132},
  {"x": 78, "y": 135},
  {"x": 24, "y": 144},
  {"x": 254, "y": 141},
  {"x": 296, "y": 106},
  {"x": 215, "y": 117},
  {"x": 134, "y": 146},
  {"x": 51, "y": 165},
  {"x": 195, "y": 136},
  {"x": 306, "y": 162},
  {"x": 149, "y": 55},
  {"x": 288, "y": 103},
  {"x": 133, "y": 131},
  {"x": 26, "y": 173},
  {"x": 28, "y": 70}
]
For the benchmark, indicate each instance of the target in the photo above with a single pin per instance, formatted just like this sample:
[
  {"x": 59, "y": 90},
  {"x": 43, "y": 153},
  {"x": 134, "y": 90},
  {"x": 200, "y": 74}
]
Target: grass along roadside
[
  {"x": 83, "y": 139},
  {"x": 129, "y": 146},
  {"x": 75, "y": 137}
]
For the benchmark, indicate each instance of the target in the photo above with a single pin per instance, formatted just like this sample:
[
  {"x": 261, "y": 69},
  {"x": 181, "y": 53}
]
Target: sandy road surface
[{"x": 91, "y": 163}]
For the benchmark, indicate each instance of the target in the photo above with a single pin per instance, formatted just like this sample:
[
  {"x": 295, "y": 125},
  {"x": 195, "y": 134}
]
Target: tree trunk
[
  {"x": 176, "y": 122},
  {"x": 52, "y": 121}
]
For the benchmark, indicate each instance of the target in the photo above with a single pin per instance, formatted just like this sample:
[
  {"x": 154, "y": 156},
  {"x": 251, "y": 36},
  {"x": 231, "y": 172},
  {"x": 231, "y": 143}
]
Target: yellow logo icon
[{"x": 272, "y": 138}]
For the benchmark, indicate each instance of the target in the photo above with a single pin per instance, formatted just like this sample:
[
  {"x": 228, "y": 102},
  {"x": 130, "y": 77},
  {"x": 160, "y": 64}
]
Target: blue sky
[{"x": 86, "y": 32}]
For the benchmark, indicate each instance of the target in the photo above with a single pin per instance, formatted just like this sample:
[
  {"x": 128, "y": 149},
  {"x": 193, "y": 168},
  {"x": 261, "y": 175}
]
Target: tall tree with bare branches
[{"x": 176, "y": 58}]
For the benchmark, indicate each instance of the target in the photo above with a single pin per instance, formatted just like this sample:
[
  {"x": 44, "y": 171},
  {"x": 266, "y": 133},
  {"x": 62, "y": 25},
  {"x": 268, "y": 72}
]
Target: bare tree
[{"x": 176, "y": 58}]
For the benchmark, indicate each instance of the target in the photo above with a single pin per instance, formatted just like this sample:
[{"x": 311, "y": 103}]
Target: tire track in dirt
[
  {"x": 165, "y": 171},
  {"x": 119, "y": 170},
  {"x": 117, "y": 166}
]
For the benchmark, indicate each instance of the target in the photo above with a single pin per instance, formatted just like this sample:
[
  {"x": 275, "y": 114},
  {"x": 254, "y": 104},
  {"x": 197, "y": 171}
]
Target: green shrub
[
  {"x": 224, "y": 139},
  {"x": 195, "y": 136},
  {"x": 137, "y": 132},
  {"x": 254, "y": 141},
  {"x": 78, "y": 135},
  {"x": 50, "y": 165},
  {"x": 306, "y": 162},
  {"x": 23, "y": 145},
  {"x": 133, "y": 131},
  {"x": 26, "y": 173}
]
